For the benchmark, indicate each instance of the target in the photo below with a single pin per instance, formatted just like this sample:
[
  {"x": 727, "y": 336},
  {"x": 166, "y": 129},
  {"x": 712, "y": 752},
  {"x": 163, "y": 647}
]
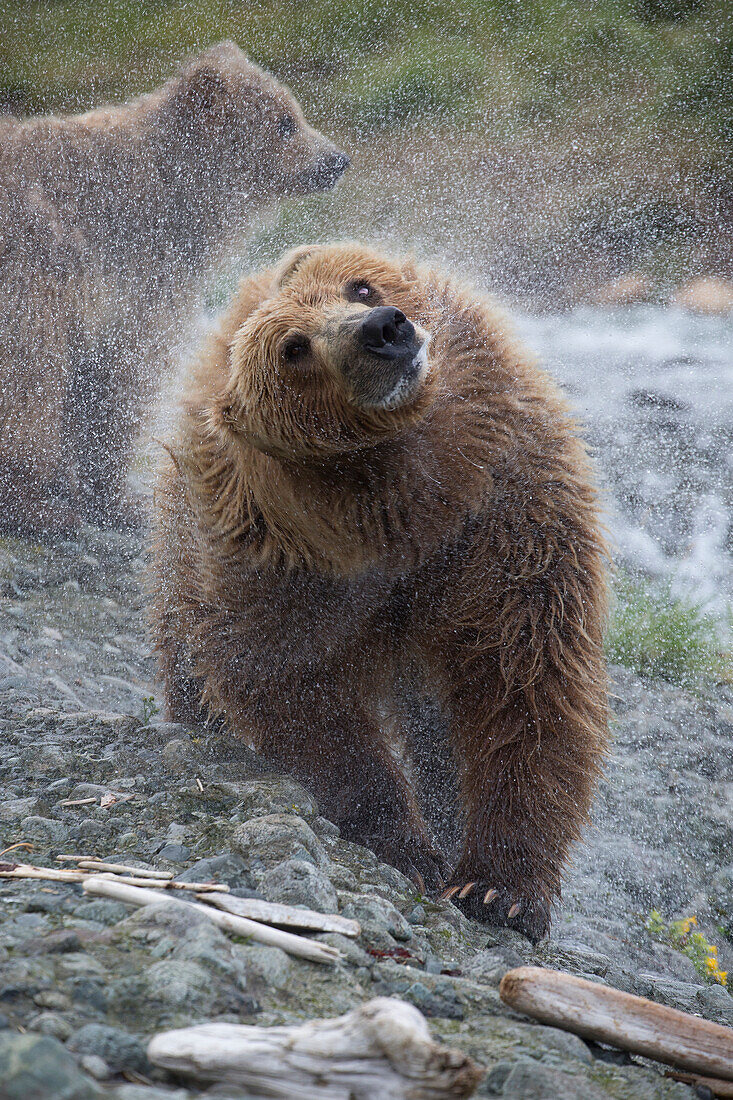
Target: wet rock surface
[{"x": 84, "y": 982}]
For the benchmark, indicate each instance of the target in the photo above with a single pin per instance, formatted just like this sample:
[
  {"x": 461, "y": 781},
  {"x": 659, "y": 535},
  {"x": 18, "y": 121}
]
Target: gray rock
[
  {"x": 119, "y": 1050},
  {"x": 276, "y": 795},
  {"x": 44, "y": 830},
  {"x": 575, "y": 958},
  {"x": 175, "y": 853},
  {"x": 267, "y": 967},
  {"x": 37, "y": 1067},
  {"x": 491, "y": 965},
  {"x": 50, "y": 1023},
  {"x": 441, "y": 1000},
  {"x": 15, "y": 809},
  {"x": 228, "y": 867},
  {"x": 266, "y": 841},
  {"x": 534, "y": 1081},
  {"x": 298, "y": 882},
  {"x": 717, "y": 1004},
  {"x": 381, "y": 923},
  {"x": 95, "y": 1066},
  {"x": 682, "y": 995}
]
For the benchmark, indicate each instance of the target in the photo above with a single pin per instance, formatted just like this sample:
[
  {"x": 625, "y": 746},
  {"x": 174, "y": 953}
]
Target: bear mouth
[{"x": 411, "y": 380}]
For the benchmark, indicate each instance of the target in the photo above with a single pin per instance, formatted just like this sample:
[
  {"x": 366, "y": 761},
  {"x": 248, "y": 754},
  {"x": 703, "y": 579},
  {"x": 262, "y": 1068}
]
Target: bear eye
[
  {"x": 286, "y": 126},
  {"x": 296, "y": 348},
  {"x": 360, "y": 291}
]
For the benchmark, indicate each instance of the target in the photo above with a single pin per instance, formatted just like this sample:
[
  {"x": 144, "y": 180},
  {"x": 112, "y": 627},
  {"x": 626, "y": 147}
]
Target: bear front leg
[
  {"x": 527, "y": 780},
  {"x": 360, "y": 787},
  {"x": 528, "y": 701}
]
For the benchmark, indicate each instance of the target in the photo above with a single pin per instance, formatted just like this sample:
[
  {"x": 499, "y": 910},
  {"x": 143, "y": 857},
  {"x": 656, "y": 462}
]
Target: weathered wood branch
[
  {"x": 53, "y": 874},
  {"x": 718, "y": 1087},
  {"x": 98, "y": 865},
  {"x": 110, "y": 887},
  {"x": 57, "y": 874},
  {"x": 383, "y": 1049},
  {"x": 609, "y": 1016},
  {"x": 285, "y": 916}
]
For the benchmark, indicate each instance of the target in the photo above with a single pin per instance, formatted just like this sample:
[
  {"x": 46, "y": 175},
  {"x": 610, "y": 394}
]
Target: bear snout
[
  {"x": 386, "y": 333},
  {"x": 328, "y": 171}
]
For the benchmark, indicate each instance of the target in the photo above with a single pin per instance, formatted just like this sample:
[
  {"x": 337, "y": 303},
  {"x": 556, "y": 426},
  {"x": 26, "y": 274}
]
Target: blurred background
[
  {"x": 574, "y": 156},
  {"x": 549, "y": 146}
]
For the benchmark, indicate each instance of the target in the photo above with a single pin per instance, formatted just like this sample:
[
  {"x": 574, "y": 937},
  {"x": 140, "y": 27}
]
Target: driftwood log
[
  {"x": 285, "y": 916},
  {"x": 108, "y": 887},
  {"x": 609, "y": 1016},
  {"x": 383, "y": 1049}
]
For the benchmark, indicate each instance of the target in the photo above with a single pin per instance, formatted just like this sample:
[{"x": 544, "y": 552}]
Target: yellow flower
[
  {"x": 687, "y": 924},
  {"x": 711, "y": 963}
]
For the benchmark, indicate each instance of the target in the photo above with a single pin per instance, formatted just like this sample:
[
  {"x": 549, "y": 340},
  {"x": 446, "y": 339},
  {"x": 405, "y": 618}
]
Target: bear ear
[
  {"x": 202, "y": 90},
  {"x": 292, "y": 261}
]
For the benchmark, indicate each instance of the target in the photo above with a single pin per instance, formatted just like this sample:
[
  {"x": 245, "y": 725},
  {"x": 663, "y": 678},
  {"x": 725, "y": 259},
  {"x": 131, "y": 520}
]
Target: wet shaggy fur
[
  {"x": 322, "y": 561},
  {"x": 110, "y": 223}
]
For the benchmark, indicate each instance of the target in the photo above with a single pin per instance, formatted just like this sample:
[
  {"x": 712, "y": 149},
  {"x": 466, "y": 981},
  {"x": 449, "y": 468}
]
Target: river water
[{"x": 653, "y": 388}]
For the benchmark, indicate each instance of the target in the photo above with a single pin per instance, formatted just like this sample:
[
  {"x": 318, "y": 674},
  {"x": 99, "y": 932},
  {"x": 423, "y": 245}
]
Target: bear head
[
  {"x": 245, "y": 130},
  {"x": 335, "y": 358}
]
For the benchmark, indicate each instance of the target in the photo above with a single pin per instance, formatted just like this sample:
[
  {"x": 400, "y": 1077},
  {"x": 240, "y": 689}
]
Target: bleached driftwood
[
  {"x": 285, "y": 916},
  {"x": 90, "y": 864},
  {"x": 57, "y": 874},
  {"x": 53, "y": 874},
  {"x": 198, "y": 888},
  {"x": 383, "y": 1049},
  {"x": 111, "y": 887},
  {"x": 610, "y": 1016}
]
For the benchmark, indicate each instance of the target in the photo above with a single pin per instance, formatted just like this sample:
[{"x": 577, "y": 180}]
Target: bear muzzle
[
  {"x": 391, "y": 360},
  {"x": 325, "y": 173}
]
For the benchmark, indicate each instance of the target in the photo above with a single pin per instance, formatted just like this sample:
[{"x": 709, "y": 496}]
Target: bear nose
[
  {"x": 386, "y": 332},
  {"x": 331, "y": 168}
]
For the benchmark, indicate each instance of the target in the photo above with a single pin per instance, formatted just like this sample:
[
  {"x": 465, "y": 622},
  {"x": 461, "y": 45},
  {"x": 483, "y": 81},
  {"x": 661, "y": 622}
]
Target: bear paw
[
  {"x": 482, "y": 901},
  {"x": 418, "y": 859}
]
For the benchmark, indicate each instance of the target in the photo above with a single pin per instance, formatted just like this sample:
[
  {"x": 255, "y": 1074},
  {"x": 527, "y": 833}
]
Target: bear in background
[
  {"x": 110, "y": 224},
  {"x": 373, "y": 491}
]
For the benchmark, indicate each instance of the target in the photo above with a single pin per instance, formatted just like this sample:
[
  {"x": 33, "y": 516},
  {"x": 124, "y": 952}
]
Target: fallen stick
[
  {"x": 110, "y": 887},
  {"x": 77, "y": 802},
  {"x": 203, "y": 888},
  {"x": 54, "y": 874},
  {"x": 610, "y": 1016},
  {"x": 90, "y": 864},
  {"x": 382, "y": 1049},
  {"x": 285, "y": 916},
  {"x": 718, "y": 1087}
]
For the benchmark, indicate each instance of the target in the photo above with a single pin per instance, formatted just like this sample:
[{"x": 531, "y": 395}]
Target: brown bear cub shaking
[
  {"x": 111, "y": 224},
  {"x": 373, "y": 488}
]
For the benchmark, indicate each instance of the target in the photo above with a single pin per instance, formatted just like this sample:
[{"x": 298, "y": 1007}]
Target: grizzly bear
[
  {"x": 372, "y": 491},
  {"x": 111, "y": 222}
]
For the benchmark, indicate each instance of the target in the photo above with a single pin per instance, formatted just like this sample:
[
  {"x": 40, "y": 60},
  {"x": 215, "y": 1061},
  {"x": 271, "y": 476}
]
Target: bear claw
[
  {"x": 496, "y": 905},
  {"x": 448, "y": 894}
]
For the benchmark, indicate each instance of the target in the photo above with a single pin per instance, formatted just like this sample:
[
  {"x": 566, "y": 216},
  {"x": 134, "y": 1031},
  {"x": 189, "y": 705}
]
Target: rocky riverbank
[{"x": 84, "y": 982}]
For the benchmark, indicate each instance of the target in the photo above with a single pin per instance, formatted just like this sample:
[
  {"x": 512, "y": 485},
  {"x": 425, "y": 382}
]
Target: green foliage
[
  {"x": 657, "y": 634},
  {"x": 150, "y": 709},
  {"x": 381, "y": 62},
  {"x": 680, "y": 934}
]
